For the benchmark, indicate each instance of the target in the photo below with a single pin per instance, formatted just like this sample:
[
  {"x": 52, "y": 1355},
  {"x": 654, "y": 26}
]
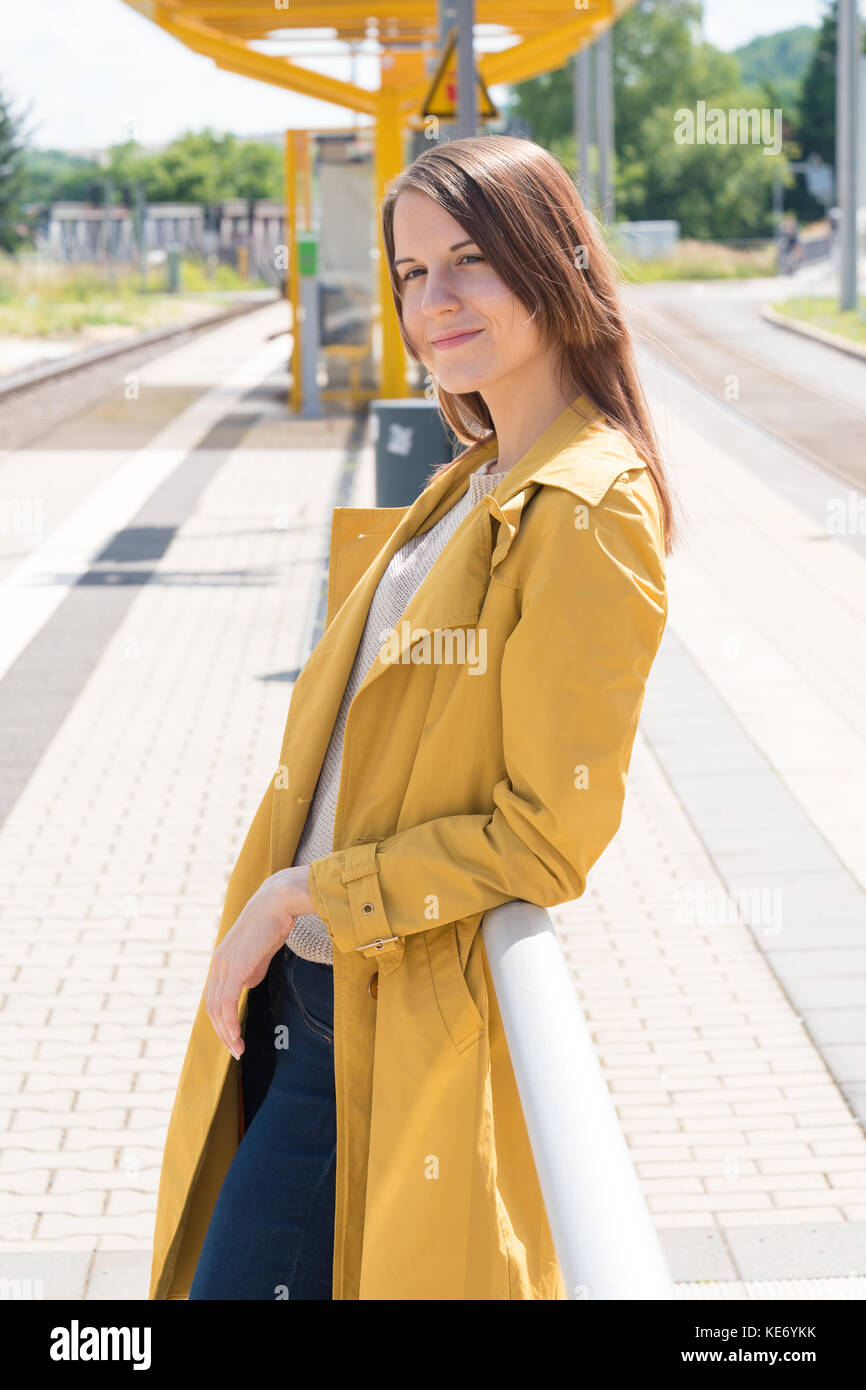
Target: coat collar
[
  {"x": 559, "y": 457},
  {"x": 579, "y": 452}
]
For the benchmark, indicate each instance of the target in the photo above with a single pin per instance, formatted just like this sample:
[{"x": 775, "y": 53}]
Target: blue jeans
[{"x": 271, "y": 1234}]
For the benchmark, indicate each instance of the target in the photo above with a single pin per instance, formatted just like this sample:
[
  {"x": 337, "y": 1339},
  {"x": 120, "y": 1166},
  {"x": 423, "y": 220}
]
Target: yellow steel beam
[
  {"x": 397, "y": 21},
  {"x": 539, "y": 53},
  {"x": 235, "y": 56},
  {"x": 394, "y": 17},
  {"x": 400, "y": 17}
]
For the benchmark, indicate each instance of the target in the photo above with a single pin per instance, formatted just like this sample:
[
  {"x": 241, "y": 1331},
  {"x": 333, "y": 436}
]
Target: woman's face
[{"x": 450, "y": 291}]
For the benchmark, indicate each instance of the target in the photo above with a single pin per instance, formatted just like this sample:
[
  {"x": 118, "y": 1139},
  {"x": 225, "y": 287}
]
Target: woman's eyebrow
[{"x": 470, "y": 241}]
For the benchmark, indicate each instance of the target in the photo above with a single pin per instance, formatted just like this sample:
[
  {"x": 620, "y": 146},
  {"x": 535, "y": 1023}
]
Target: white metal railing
[{"x": 606, "y": 1243}]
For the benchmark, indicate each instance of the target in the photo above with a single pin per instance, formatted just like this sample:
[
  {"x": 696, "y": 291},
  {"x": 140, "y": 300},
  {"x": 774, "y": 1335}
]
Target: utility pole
[
  {"x": 353, "y": 77},
  {"x": 108, "y": 229},
  {"x": 848, "y": 44},
  {"x": 604, "y": 123},
  {"x": 582, "y": 68},
  {"x": 447, "y": 20},
  {"x": 467, "y": 108}
]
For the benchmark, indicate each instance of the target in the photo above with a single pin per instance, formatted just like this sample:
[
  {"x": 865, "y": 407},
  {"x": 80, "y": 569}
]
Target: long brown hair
[{"x": 522, "y": 209}]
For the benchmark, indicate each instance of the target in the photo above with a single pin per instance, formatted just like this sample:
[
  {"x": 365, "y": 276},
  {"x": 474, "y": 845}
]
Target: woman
[{"x": 459, "y": 737}]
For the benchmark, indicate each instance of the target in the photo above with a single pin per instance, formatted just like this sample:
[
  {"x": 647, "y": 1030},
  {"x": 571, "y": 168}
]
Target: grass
[
  {"x": 700, "y": 260},
  {"x": 825, "y": 313},
  {"x": 41, "y": 299}
]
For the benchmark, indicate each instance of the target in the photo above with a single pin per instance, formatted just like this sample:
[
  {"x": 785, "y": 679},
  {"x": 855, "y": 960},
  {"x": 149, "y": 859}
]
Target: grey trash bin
[{"x": 410, "y": 441}]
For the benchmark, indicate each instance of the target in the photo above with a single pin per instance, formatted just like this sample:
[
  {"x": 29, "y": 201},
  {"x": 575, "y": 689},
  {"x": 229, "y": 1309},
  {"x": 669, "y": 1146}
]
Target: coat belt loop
[{"x": 360, "y": 861}]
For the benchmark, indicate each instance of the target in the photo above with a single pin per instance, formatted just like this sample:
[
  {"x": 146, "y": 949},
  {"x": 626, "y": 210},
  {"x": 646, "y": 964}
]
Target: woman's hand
[{"x": 242, "y": 957}]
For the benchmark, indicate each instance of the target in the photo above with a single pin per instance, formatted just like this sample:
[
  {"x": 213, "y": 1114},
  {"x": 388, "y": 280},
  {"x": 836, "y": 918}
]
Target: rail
[{"x": 605, "y": 1240}]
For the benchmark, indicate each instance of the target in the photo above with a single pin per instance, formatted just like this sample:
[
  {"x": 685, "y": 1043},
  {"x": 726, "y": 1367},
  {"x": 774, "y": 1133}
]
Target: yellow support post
[
  {"x": 293, "y": 285},
  {"x": 389, "y": 161}
]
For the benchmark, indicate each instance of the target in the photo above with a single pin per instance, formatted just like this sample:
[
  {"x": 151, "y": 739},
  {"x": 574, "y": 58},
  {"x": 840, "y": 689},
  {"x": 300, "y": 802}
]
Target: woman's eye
[{"x": 469, "y": 256}]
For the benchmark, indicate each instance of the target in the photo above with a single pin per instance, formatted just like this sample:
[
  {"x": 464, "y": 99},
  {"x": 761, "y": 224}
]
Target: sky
[{"x": 91, "y": 73}]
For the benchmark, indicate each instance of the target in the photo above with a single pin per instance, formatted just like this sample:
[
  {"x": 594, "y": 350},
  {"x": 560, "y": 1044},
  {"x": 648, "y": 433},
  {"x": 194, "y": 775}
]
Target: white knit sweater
[{"x": 405, "y": 572}]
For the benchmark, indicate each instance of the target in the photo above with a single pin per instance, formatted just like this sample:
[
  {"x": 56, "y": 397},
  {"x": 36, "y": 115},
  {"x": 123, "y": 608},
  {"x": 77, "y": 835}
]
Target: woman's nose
[{"x": 439, "y": 293}]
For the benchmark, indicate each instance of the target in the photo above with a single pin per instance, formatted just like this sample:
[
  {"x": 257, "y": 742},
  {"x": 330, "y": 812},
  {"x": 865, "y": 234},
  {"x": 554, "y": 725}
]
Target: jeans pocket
[
  {"x": 276, "y": 985},
  {"x": 309, "y": 995}
]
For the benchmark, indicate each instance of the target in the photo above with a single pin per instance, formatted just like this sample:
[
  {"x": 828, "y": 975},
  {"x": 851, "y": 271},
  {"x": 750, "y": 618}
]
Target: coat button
[
  {"x": 373, "y": 986},
  {"x": 368, "y": 908}
]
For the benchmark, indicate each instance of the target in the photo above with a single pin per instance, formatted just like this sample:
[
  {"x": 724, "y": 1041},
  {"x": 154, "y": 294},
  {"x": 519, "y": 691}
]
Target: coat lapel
[
  {"x": 357, "y": 560},
  {"x": 357, "y": 536},
  {"x": 449, "y": 596}
]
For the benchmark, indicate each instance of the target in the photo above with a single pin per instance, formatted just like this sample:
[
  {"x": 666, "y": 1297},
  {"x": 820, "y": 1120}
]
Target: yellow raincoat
[{"x": 471, "y": 775}]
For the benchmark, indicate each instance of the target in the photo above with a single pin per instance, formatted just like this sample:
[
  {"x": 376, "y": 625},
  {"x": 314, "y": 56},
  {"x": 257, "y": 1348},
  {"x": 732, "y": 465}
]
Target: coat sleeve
[{"x": 573, "y": 676}]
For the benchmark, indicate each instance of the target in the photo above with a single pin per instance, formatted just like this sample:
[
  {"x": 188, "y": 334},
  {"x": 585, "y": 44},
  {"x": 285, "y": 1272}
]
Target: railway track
[
  {"x": 812, "y": 420},
  {"x": 33, "y": 401}
]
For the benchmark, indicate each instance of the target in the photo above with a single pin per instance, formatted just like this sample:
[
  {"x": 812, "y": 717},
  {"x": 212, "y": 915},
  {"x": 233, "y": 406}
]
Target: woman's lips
[{"x": 458, "y": 339}]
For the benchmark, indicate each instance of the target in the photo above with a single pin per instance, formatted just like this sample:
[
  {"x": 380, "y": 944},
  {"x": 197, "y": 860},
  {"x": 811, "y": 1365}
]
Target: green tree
[
  {"x": 715, "y": 192},
  {"x": 204, "y": 167},
  {"x": 661, "y": 65},
  {"x": 198, "y": 167},
  {"x": 778, "y": 63},
  {"x": 12, "y": 179},
  {"x": 55, "y": 175},
  {"x": 817, "y": 125},
  {"x": 653, "y": 55}
]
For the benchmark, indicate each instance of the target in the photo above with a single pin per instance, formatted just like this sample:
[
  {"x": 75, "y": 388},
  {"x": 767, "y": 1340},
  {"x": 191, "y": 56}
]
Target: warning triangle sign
[{"x": 441, "y": 100}]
